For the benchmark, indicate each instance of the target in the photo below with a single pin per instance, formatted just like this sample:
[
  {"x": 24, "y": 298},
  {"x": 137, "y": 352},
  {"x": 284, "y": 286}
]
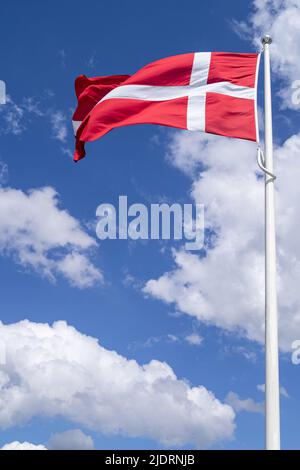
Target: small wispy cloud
[
  {"x": 244, "y": 351},
  {"x": 12, "y": 115},
  {"x": 241, "y": 29},
  {"x": 283, "y": 390},
  {"x": 3, "y": 173},
  {"x": 131, "y": 281},
  {"x": 91, "y": 61},
  {"x": 17, "y": 117},
  {"x": 59, "y": 125},
  {"x": 33, "y": 106},
  {"x": 62, "y": 57},
  {"x": 194, "y": 339},
  {"x": 247, "y": 404},
  {"x": 67, "y": 151}
]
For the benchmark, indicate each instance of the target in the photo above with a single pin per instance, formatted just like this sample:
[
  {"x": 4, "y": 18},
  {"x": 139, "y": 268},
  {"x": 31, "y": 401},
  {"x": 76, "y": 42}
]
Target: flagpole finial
[{"x": 266, "y": 39}]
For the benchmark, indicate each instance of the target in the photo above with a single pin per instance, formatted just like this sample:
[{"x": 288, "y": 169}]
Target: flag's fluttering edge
[{"x": 213, "y": 92}]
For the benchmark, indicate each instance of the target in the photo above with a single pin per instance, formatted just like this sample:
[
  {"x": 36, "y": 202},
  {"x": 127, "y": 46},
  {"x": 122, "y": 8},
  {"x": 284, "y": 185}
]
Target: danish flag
[{"x": 214, "y": 92}]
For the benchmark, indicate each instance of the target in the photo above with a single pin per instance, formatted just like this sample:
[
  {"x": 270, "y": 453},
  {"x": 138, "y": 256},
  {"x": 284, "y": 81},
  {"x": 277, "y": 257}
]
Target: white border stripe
[
  {"x": 200, "y": 68},
  {"x": 195, "y": 120},
  {"x": 165, "y": 93}
]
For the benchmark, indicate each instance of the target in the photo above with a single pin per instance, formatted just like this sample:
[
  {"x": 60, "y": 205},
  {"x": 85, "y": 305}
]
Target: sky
[{"x": 120, "y": 344}]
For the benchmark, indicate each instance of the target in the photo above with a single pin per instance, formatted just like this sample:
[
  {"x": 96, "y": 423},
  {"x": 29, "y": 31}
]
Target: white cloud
[
  {"x": 152, "y": 340},
  {"x": 3, "y": 173},
  {"x": 38, "y": 234},
  {"x": 63, "y": 57},
  {"x": 280, "y": 19},
  {"x": 247, "y": 404},
  {"x": 57, "y": 371},
  {"x": 261, "y": 387},
  {"x": 194, "y": 339},
  {"x": 17, "y": 116},
  {"x": 244, "y": 351},
  {"x": 12, "y": 118},
  {"x": 283, "y": 390},
  {"x": 92, "y": 61},
  {"x": 59, "y": 126},
  {"x": 79, "y": 270},
  {"x": 74, "y": 439},
  {"x": 226, "y": 287},
  {"x": 32, "y": 106},
  {"x": 16, "y": 445}
]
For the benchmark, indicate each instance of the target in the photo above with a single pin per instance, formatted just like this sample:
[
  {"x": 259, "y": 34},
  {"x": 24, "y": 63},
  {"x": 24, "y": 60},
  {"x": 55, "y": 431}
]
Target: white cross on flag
[{"x": 213, "y": 92}]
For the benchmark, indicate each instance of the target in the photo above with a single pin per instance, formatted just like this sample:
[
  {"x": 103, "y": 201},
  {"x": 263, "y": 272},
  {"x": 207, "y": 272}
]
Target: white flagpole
[{"x": 272, "y": 407}]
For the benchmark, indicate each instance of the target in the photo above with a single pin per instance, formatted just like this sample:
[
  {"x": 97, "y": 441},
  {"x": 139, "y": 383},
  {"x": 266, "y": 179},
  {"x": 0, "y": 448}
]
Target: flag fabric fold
[{"x": 213, "y": 92}]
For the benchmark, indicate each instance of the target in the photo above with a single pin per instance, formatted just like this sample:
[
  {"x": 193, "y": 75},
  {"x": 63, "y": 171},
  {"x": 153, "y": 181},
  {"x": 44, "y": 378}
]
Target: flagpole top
[{"x": 266, "y": 39}]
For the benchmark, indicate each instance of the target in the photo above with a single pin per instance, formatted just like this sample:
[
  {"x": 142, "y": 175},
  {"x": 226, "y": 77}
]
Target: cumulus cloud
[
  {"x": 16, "y": 445},
  {"x": 73, "y": 439},
  {"x": 38, "y": 234},
  {"x": 224, "y": 176},
  {"x": 247, "y": 404},
  {"x": 228, "y": 185},
  {"x": 280, "y": 19},
  {"x": 58, "y": 371}
]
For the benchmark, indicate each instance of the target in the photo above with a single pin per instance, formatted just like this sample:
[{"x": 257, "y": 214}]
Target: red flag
[{"x": 213, "y": 92}]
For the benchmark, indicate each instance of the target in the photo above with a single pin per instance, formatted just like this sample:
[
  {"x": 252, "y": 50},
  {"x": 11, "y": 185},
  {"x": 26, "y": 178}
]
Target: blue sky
[{"x": 44, "y": 46}]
